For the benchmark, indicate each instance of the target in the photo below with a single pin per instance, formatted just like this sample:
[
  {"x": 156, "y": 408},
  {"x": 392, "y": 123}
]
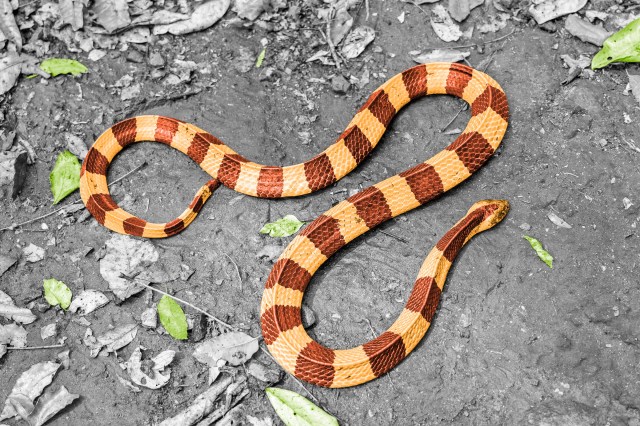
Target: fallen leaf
[
  {"x": 88, "y": 301},
  {"x": 248, "y": 9},
  {"x": 49, "y": 405},
  {"x": 443, "y": 25},
  {"x": 262, "y": 373},
  {"x": 111, "y": 341},
  {"x": 282, "y": 227},
  {"x": 6, "y": 262},
  {"x": 129, "y": 385},
  {"x": 549, "y": 10},
  {"x": 620, "y": 47},
  {"x": 460, "y": 9},
  {"x": 8, "y": 25},
  {"x": 28, "y": 387},
  {"x": 260, "y": 59},
  {"x": 49, "y": 330},
  {"x": 234, "y": 347},
  {"x": 172, "y": 318},
  {"x": 203, "y": 17},
  {"x": 60, "y": 66},
  {"x": 112, "y": 14},
  {"x": 558, "y": 221},
  {"x": 9, "y": 71},
  {"x": 340, "y": 25},
  {"x": 65, "y": 176},
  {"x": 32, "y": 253},
  {"x": 57, "y": 293},
  {"x": 444, "y": 55},
  {"x": 12, "y": 335},
  {"x": 71, "y": 13},
  {"x": 540, "y": 251},
  {"x": 357, "y": 41},
  {"x": 126, "y": 257},
  {"x": 585, "y": 31},
  {"x": 296, "y": 410},
  {"x": 152, "y": 377},
  {"x": 10, "y": 311}
]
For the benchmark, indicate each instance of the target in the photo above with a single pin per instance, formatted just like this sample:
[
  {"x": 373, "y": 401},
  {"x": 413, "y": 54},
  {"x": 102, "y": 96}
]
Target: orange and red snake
[{"x": 280, "y": 311}]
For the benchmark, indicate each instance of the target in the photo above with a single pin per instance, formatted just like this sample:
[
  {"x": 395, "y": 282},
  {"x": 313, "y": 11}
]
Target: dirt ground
[{"x": 514, "y": 342}]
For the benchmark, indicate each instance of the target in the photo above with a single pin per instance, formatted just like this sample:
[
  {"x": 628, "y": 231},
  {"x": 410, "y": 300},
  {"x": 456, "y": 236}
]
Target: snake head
[{"x": 493, "y": 212}]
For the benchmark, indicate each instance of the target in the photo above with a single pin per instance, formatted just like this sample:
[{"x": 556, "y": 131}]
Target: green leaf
[
  {"x": 542, "y": 253},
  {"x": 172, "y": 318},
  {"x": 296, "y": 410},
  {"x": 65, "y": 176},
  {"x": 57, "y": 293},
  {"x": 623, "y": 46},
  {"x": 284, "y": 227},
  {"x": 57, "y": 66},
  {"x": 261, "y": 58}
]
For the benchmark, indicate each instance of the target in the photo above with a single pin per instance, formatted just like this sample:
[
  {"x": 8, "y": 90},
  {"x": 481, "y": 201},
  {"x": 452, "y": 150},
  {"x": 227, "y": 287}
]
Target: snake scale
[{"x": 281, "y": 305}]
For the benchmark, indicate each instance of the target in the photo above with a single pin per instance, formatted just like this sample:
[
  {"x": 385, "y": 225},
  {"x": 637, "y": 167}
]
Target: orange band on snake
[{"x": 282, "y": 299}]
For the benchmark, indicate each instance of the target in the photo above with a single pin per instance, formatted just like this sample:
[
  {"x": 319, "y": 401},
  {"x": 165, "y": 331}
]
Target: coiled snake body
[{"x": 281, "y": 321}]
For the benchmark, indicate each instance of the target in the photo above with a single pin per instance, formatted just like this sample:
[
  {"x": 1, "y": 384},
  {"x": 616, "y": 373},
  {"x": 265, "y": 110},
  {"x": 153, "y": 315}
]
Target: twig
[
  {"x": 184, "y": 302},
  {"x": 394, "y": 236},
  {"x": 31, "y": 348},
  {"x": 135, "y": 169},
  {"x": 416, "y": 5},
  {"x": 631, "y": 145},
  {"x": 477, "y": 44},
  {"x": 366, "y": 8},
  {"x": 11, "y": 227},
  {"x": 237, "y": 269},
  {"x": 332, "y": 48}
]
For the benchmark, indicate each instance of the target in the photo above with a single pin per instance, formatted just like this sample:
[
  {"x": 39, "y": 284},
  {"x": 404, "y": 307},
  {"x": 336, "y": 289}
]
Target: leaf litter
[
  {"x": 10, "y": 311},
  {"x": 151, "y": 374},
  {"x": 28, "y": 387}
]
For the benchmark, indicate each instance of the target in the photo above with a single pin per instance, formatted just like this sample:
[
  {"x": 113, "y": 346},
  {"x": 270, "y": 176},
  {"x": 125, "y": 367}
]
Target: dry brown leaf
[
  {"x": 460, "y": 9},
  {"x": 443, "y": 25},
  {"x": 234, "y": 347},
  {"x": 586, "y": 31},
  {"x": 549, "y": 10},
  {"x": 357, "y": 41},
  {"x": 28, "y": 387},
  {"x": 8, "y": 25},
  {"x": 112, "y": 14},
  {"x": 71, "y": 13},
  {"x": 49, "y": 405},
  {"x": 10, "y": 311},
  {"x": 203, "y": 17}
]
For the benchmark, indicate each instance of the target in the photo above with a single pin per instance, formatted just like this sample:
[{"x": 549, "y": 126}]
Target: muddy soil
[{"x": 513, "y": 342}]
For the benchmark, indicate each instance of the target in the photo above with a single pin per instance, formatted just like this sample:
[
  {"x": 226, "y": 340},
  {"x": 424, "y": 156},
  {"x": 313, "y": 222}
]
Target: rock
[
  {"x": 32, "y": 253},
  {"x": 135, "y": 56},
  {"x": 460, "y": 9},
  {"x": 156, "y": 60},
  {"x": 13, "y": 171},
  {"x": 308, "y": 316},
  {"x": 149, "y": 318},
  {"x": 76, "y": 145},
  {"x": 339, "y": 84}
]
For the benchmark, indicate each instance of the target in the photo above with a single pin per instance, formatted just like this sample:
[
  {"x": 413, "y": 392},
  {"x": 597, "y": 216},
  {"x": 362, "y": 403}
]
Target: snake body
[{"x": 281, "y": 304}]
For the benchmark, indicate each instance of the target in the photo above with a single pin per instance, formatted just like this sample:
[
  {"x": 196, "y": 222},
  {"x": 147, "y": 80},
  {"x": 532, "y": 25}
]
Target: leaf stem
[{"x": 184, "y": 302}]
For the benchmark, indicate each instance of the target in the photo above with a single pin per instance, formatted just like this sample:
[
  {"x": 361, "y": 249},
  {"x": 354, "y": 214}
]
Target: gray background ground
[{"x": 513, "y": 341}]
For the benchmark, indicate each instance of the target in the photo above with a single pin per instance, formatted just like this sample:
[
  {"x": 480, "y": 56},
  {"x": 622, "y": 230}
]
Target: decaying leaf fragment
[
  {"x": 10, "y": 311},
  {"x": 234, "y": 347},
  {"x": 296, "y": 410},
  {"x": 111, "y": 341},
  {"x": 28, "y": 387},
  {"x": 549, "y": 10},
  {"x": 443, "y": 55},
  {"x": 443, "y": 25},
  {"x": 152, "y": 377},
  {"x": 88, "y": 301},
  {"x": 57, "y": 293},
  {"x": 540, "y": 251},
  {"x": 357, "y": 40},
  {"x": 71, "y": 13},
  {"x": 12, "y": 335},
  {"x": 8, "y": 25},
  {"x": 112, "y": 14}
]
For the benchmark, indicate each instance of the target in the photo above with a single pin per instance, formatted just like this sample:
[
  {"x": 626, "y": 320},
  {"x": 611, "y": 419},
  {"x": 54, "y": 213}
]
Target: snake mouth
[{"x": 493, "y": 211}]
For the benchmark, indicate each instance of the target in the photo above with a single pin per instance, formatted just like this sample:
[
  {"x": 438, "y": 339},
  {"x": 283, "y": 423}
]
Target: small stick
[
  {"x": 631, "y": 145},
  {"x": 184, "y": 302},
  {"x": 366, "y": 7},
  {"x": 11, "y": 227},
  {"x": 237, "y": 269},
  {"x": 332, "y": 48},
  {"x": 394, "y": 236},
  {"x": 31, "y": 348}
]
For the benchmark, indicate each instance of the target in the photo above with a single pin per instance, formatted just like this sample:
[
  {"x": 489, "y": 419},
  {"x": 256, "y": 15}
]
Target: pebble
[{"x": 156, "y": 59}]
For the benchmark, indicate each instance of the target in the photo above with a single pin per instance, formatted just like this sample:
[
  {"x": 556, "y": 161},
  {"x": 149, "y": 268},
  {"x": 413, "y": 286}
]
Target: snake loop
[{"x": 284, "y": 290}]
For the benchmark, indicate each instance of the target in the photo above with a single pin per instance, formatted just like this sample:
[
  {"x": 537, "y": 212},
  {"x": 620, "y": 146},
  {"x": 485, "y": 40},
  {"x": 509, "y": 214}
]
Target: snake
[{"x": 280, "y": 310}]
